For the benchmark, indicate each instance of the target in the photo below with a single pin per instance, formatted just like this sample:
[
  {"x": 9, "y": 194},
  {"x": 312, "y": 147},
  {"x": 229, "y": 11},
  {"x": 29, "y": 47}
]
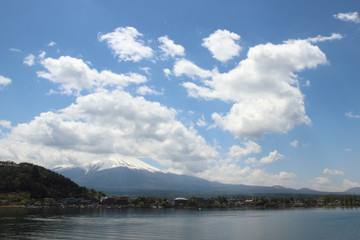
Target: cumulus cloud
[
  {"x": 105, "y": 123},
  {"x": 321, "y": 184},
  {"x": 272, "y": 157},
  {"x": 29, "y": 60},
  {"x": 74, "y": 75},
  {"x": 125, "y": 44},
  {"x": 330, "y": 185},
  {"x": 348, "y": 17},
  {"x": 223, "y": 45},
  {"x": 232, "y": 173},
  {"x": 4, "y": 81},
  {"x": 169, "y": 48},
  {"x": 264, "y": 88},
  {"x": 249, "y": 147},
  {"x": 332, "y": 172},
  {"x": 347, "y": 184}
]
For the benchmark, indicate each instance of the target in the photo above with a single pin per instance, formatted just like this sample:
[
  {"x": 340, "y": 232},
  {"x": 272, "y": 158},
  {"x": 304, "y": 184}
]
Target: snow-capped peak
[{"x": 132, "y": 163}]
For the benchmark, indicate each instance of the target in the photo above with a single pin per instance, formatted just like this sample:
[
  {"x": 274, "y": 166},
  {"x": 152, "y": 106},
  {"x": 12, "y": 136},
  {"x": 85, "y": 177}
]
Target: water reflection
[{"x": 178, "y": 224}]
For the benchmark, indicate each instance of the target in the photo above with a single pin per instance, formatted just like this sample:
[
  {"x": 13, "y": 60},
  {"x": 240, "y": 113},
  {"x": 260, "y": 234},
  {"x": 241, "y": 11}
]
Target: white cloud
[
  {"x": 352, "y": 115},
  {"x": 347, "y": 184},
  {"x": 223, "y": 45},
  {"x": 238, "y": 152},
  {"x": 189, "y": 69},
  {"x": 15, "y": 50},
  {"x": 348, "y": 149},
  {"x": 320, "y": 38},
  {"x": 332, "y": 172},
  {"x": 125, "y": 44},
  {"x": 5, "y": 124},
  {"x": 326, "y": 184},
  {"x": 106, "y": 123},
  {"x": 51, "y": 44},
  {"x": 263, "y": 87},
  {"x": 169, "y": 48},
  {"x": 4, "y": 81},
  {"x": 230, "y": 172},
  {"x": 201, "y": 122},
  {"x": 145, "y": 90},
  {"x": 146, "y": 70},
  {"x": 321, "y": 184},
  {"x": 42, "y": 54},
  {"x": 74, "y": 75},
  {"x": 29, "y": 60},
  {"x": 348, "y": 17},
  {"x": 272, "y": 157},
  {"x": 167, "y": 72},
  {"x": 294, "y": 143}
]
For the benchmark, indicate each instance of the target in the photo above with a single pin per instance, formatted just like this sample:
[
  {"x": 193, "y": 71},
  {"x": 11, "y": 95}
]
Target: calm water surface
[{"x": 179, "y": 224}]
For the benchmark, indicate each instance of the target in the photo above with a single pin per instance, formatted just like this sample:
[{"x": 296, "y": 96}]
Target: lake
[{"x": 286, "y": 224}]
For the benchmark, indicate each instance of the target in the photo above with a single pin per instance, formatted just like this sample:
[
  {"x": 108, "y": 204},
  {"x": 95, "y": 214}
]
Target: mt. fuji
[{"x": 116, "y": 177}]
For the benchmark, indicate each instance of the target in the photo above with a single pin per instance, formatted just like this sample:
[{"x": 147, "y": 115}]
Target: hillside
[{"x": 39, "y": 182}]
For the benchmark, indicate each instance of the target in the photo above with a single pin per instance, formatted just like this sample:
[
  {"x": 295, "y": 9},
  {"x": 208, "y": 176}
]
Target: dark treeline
[{"x": 29, "y": 181}]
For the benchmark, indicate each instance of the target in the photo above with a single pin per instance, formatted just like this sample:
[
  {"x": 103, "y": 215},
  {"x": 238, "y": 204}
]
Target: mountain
[
  {"x": 39, "y": 182},
  {"x": 118, "y": 177},
  {"x": 355, "y": 191}
]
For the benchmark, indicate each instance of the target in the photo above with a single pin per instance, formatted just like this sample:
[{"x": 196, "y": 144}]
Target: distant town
[{"x": 259, "y": 202}]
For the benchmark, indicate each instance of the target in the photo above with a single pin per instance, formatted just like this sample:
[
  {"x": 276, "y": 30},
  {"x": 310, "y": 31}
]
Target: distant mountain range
[{"x": 116, "y": 177}]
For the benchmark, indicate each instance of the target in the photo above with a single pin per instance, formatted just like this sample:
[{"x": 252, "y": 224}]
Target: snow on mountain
[
  {"x": 111, "y": 162},
  {"x": 115, "y": 162}
]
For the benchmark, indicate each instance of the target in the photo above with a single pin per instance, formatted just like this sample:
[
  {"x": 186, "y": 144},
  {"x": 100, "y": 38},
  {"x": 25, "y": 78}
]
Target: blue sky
[{"x": 250, "y": 92}]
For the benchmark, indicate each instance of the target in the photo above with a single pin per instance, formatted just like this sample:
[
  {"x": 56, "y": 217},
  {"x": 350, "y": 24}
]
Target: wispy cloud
[
  {"x": 294, "y": 143},
  {"x": 4, "y": 81},
  {"x": 320, "y": 38},
  {"x": 51, "y": 44},
  {"x": 348, "y": 17},
  {"x": 15, "y": 50},
  {"x": 272, "y": 157},
  {"x": 332, "y": 172},
  {"x": 201, "y": 122},
  {"x": 145, "y": 90},
  {"x": 352, "y": 115}
]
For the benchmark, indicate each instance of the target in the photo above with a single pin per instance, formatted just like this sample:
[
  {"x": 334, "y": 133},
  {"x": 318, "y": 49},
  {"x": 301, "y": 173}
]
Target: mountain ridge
[{"x": 134, "y": 182}]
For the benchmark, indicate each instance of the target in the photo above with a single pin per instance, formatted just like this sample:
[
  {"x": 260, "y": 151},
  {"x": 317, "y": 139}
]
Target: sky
[{"x": 243, "y": 92}]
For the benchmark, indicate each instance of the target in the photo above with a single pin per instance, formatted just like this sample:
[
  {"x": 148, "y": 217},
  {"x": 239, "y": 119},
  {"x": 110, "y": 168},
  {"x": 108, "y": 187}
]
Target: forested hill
[{"x": 40, "y": 182}]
